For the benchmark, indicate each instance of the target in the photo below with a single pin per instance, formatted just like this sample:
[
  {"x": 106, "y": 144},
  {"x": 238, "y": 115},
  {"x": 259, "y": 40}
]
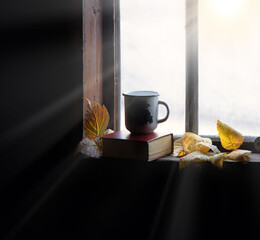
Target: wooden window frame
[
  {"x": 101, "y": 56},
  {"x": 101, "y": 62},
  {"x": 192, "y": 80}
]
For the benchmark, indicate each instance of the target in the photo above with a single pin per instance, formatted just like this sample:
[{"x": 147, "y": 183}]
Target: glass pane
[
  {"x": 229, "y": 58},
  {"x": 153, "y": 53}
]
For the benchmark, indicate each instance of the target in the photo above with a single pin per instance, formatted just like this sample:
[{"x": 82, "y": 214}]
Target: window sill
[{"x": 254, "y": 158}]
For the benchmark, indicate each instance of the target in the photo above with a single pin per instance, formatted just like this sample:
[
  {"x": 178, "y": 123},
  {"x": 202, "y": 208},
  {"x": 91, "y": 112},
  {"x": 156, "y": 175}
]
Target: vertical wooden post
[
  {"x": 92, "y": 50},
  {"x": 191, "y": 117},
  {"x": 117, "y": 66},
  {"x": 101, "y": 55},
  {"x": 111, "y": 61}
]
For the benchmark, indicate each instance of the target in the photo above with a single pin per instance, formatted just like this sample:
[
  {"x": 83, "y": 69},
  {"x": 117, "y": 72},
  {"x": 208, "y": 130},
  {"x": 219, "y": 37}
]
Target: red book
[{"x": 122, "y": 144}]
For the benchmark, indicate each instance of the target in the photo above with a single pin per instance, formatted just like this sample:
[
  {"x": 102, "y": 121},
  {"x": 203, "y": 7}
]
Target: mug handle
[{"x": 168, "y": 112}]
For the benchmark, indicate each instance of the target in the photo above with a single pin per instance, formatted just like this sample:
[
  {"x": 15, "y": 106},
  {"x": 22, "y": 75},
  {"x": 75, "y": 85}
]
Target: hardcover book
[{"x": 122, "y": 144}]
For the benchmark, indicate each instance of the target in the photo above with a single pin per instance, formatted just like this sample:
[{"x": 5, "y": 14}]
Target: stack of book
[{"x": 122, "y": 144}]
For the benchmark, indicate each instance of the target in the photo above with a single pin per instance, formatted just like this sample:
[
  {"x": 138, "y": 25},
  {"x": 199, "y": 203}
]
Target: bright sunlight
[{"x": 226, "y": 7}]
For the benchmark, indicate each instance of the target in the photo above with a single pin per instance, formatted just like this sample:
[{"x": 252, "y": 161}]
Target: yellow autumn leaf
[
  {"x": 205, "y": 147},
  {"x": 199, "y": 157},
  {"x": 191, "y": 143},
  {"x": 217, "y": 160},
  {"x": 96, "y": 119},
  {"x": 193, "y": 157},
  {"x": 239, "y": 155},
  {"x": 229, "y": 137}
]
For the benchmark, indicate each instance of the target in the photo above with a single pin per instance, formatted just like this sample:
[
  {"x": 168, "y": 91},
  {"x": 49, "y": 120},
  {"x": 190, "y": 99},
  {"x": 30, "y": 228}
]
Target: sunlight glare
[{"x": 226, "y": 7}]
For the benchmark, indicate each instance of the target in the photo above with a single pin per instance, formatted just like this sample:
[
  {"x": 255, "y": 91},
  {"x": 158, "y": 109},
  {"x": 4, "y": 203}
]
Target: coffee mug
[{"x": 141, "y": 111}]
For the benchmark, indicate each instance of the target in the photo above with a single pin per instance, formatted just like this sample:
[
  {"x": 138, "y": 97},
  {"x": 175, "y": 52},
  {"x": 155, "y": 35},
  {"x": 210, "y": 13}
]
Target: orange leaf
[
  {"x": 181, "y": 153},
  {"x": 229, "y": 137},
  {"x": 177, "y": 148},
  {"x": 96, "y": 119}
]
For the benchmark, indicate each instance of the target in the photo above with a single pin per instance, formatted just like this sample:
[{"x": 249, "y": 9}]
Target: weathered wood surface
[
  {"x": 111, "y": 60},
  {"x": 117, "y": 66},
  {"x": 92, "y": 49},
  {"x": 101, "y": 55}
]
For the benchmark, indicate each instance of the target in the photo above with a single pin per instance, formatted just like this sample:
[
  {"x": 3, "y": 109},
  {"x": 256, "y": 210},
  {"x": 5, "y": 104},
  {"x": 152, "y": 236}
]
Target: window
[
  {"x": 153, "y": 53},
  {"x": 229, "y": 73},
  {"x": 153, "y": 30},
  {"x": 221, "y": 51}
]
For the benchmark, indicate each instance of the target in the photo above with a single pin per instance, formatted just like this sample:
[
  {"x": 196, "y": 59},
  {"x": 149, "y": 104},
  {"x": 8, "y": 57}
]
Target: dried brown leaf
[
  {"x": 96, "y": 119},
  {"x": 177, "y": 148},
  {"x": 217, "y": 159},
  {"x": 89, "y": 148},
  {"x": 192, "y": 142},
  {"x": 196, "y": 156},
  {"x": 205, "y": 147},
  {"x": 239, "y": 155}
]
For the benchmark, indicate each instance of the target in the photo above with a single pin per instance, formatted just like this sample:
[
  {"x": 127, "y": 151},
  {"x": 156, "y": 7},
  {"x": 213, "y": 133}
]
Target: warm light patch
[{"x": 226, "y": 7}]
